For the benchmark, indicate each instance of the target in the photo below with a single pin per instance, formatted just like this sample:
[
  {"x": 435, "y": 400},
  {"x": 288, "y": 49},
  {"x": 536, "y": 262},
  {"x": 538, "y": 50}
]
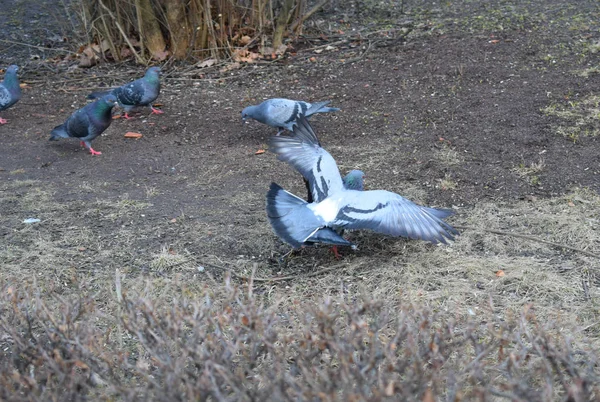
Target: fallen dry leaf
[
  {"x": 260, "y": 151},
  {"x": 244, "y": 55},
  {"x": 24, "y": 85},
  {"x": 244, "y": 40},
  {"x": 207, "y": 63},
  {"x": 131, "y": 134},
  {"x": 313, "y": 59},
  {"x": 162, "y": 55},
  {"x": 500, "y": 273},
  {"x": 494, "y": 41}
]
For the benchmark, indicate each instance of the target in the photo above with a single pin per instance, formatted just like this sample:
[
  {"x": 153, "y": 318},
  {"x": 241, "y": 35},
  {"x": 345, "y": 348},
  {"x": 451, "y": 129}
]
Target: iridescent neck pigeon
[
  {"x": 354, "y": 180},
  {"x": 283, "y": 113},
  {"x": 87, "y": 123},
  {"x": 141, "y": 92},
  {"x": 335, "y": 207},
  {"x": 10, "y": 90}
]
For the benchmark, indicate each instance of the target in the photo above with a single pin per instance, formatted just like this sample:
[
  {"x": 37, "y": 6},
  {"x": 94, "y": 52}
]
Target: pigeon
[
  {"x": 88, "y": 122},
  {"x": 335, "y": 207},
  {"x": 283, "y": 113},
  {"x": 141, "y": 92},
  {"x": 354, "y": 180},
  {"x": 10, "y": 91}
]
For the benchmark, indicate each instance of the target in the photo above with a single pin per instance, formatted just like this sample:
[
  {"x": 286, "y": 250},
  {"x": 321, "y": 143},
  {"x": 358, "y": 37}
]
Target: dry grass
[
  {"x": 581, "y": 117},
  {"x": 65, "y": 255}
]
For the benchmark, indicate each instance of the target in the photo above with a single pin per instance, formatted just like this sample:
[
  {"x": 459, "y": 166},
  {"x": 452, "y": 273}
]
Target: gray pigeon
[
  {"x": 283, "y": 113},
  {"x": 88, "y": 122},
  {"x": 10, "y": 91},
  {"x": 141, "y": 92},
  {"x": 354, "y": 180},
  {"x": 335, "y": 207}
]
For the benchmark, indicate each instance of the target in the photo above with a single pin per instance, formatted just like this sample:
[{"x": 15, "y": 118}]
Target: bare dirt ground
[{"x": 489, "y": 108}]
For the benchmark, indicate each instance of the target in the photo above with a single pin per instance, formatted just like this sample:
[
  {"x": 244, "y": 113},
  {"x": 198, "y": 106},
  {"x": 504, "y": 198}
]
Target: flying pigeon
[
  {"x": 335, "y": 207},
  {"x": 10, "y": 91},
  {"x": 87, "y": 123},
  {"x": 283, "y": 113},
  {"x": 141, "y": 92}
]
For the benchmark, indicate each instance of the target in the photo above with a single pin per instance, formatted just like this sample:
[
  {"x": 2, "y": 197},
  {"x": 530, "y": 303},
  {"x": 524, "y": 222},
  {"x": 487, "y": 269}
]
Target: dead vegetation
[
  {"x": 229, "y": 345},
  {"x": 491, "y": 316},
  {"x": 149, "y": 29}
]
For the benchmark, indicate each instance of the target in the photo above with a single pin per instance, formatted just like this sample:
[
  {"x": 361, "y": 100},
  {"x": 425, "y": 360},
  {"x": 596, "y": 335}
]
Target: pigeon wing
[
  {"x": 284, "y": 112},
  {"x": 304, "y": 153},
  {"x": 5, "y": 97},
  {"x": 131, "y": 94},
  {"x": 389, "y": 213},
  {"x": 78, "y": 124}
]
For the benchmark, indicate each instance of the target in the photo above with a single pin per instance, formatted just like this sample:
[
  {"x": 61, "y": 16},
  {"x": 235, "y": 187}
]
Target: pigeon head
[
  {"x": 10, "y": 77},
  {"x": 249, "y": 112},
  {"x": 153, "y": 73},
  {"x": 153, "y": 70},
  {"x": 354, "y": 180},
  {"x": 12, "y": 69},
  {"x": 110, "y": 100}
]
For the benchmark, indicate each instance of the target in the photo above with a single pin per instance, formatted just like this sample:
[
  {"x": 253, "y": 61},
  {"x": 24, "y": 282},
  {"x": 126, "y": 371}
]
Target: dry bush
[
  {"x": 193, "y": 28},
  {"x": 231, "y": 346}
]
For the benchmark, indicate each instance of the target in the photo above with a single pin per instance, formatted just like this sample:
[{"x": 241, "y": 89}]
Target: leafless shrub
[
  {"x": 231, "y": 346},
  {"x": 158, "y": 29}
]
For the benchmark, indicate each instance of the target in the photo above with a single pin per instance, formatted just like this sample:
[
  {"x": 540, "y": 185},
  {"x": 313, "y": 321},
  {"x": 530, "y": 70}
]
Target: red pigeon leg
[
  {"x": 335, "y": 252},
  {"x": 126, "y": 116},
  {"x": 3, "y": 121},
  {"x": 156, "y": 111}
]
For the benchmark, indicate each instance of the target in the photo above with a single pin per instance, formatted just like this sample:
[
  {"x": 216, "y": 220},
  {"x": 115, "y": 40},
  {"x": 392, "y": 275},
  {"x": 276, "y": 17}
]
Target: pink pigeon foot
[
  {"x": 126, "y": 116},
  {"x": 335, "y": 253},
  {"x": 95, "y": 152},
  {"x": 3, "y": 121},
  {"x": 156, "y": 111}
]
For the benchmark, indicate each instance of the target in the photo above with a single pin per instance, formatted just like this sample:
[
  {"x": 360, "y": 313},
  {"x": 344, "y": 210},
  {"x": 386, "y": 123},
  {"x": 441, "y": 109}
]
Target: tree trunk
[
  {"x": 282, "y": 22},
  {"x": 150, "y": 34},
  {"x": 179, "y": 28}
]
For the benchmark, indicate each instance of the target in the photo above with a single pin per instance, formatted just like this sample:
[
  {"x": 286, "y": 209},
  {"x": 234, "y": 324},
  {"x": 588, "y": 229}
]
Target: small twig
[
  {"x": 362, "y": 56},
  {"x": 535, "y": 239},
  {"x": 37, "y": 47}
]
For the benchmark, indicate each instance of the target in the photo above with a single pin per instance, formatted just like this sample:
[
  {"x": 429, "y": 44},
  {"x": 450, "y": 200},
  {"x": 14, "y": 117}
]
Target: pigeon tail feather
[
  {"x": 58, "y": 132},
  {"x": 99, "y": 94},
  {"x": 295, "y": 223},
  {"x": 319, "y": 107}
]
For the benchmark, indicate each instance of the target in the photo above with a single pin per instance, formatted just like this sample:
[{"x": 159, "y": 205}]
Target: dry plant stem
[
  {"x": 137, "y": 56},
  {"x": 307, "y": 15},
  {"x": 362, "y": 56},
  {"x": 535, "y": 239}
]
